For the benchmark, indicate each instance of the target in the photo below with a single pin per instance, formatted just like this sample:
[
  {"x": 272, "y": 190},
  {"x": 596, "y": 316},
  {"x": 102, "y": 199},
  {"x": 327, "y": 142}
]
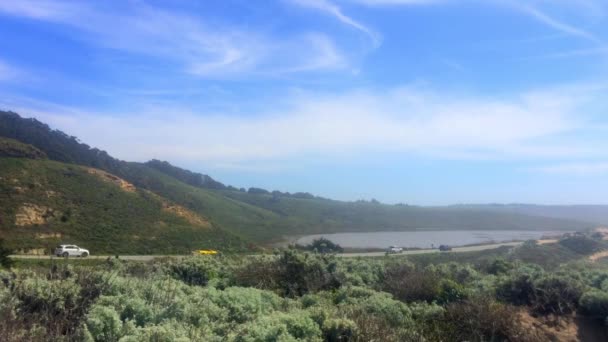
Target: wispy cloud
[
  {"x": 40, "y": 9},
  {"x": 399, "y": 2},
  {"x": 186, "y": 41},
  {"x": 358, "y": 122},
  {"x": 572, "y": 53},
  {"x": 577, "y": 169},
  {"x": 558, "y": 25},
  {"x": 335, "y": 11}
]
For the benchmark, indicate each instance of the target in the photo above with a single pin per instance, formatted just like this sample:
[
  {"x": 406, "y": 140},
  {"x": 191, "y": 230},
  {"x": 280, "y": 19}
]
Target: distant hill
[
  {"x": 186, "y": 176},
  {"x": 236, "y": 216},
  {"x": 597, "y": 214}
]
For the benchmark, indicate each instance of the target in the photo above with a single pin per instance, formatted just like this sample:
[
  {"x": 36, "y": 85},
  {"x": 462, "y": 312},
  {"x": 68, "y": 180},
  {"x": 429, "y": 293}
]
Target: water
[{"x": 426, "y": 238}]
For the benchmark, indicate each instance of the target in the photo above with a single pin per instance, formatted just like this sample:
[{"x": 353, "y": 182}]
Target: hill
[
  {"x": 597, "y": 214},
  {"x": 14, "y": 148},
  {"x": 43, "y": 203},
  {"x": 255, "y": 215}
]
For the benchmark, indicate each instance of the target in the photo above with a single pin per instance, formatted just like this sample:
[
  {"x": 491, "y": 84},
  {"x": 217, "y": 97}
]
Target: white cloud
[
  {"x": 182, "y": 39},
  {"x": 9, "y": 72},
  {"x": 577, "y": 169},
  {"x": 335, "y": 11},
  {"x": 401, "y": 121}
]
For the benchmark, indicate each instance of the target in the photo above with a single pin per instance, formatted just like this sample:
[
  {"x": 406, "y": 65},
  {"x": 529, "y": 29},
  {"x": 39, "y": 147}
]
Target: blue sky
[{"x": 413, "y": 101}]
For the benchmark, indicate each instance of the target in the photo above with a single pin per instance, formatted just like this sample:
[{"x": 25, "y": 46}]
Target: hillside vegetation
[
  {"x": 14, "y": 148},
  {"x": 43, "y": 203},
  {"x": 254, "y": 215}
]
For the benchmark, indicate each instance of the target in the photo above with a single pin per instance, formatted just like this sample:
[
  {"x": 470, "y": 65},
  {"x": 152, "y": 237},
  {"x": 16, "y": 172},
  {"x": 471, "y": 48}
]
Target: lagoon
[{"x": 428, "y": 238}]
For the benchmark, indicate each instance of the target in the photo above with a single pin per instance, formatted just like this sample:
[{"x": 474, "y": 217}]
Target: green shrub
[
  {"x": 301, "y": 273},
  {"x": 104, "y": 324},
  {"x": 244, "y": 304},
  {"x": 552, "y": 293},
  {"x": 499, "y": 266},
  {"x": 296, "y": 326},
  {"x": 556, "y": 294},
  {"x": 451, "y": 291},
  {"x": 595, "y": 303},
  {"x": 194, "y": 270},
  {"x": 582, "y": 244},
  {"x": 339, "y": 330},
  {"x": 482, "y": 319},
  {"x": 170, "y": 331},
  {"x": 323, "y": 245},
  {"x": 408, "y": 284},
  {"x": 5, "y": 260},
  {"x": 519, "y": 288}
]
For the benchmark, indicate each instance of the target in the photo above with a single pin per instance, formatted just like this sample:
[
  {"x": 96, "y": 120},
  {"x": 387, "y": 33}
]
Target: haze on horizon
[{"x": 414, "y": 101}]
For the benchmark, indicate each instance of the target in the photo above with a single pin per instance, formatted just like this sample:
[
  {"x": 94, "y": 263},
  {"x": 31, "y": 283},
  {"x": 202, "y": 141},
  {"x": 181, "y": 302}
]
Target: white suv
[
  {"x": 395, "y": 249},
  {"x": 71, "y": 250}
]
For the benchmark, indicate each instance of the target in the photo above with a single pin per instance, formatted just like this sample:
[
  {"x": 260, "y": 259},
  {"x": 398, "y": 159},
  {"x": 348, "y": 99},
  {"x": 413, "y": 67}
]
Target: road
[{"x": 342, "y": 255}]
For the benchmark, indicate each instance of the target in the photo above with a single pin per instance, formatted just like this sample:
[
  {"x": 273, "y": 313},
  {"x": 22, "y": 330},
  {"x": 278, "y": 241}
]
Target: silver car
[
  {"x": 71, "y": 250},
  {"x": 395, "y": 249}
]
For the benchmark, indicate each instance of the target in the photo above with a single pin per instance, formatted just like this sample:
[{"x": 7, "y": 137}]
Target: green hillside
[
  {"x": 43, "y": 203},
  {"x": 14, "y": 148},
  {"x": 106, "y": 215},
  {"x": 318, "y": 215}
]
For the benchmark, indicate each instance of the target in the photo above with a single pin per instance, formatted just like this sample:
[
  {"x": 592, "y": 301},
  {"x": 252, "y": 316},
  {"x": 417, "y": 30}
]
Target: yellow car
[{"x": 205, "y": 252}]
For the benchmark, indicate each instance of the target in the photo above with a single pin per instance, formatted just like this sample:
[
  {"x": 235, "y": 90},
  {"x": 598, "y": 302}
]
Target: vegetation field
[{"x": 499, "y": 295}]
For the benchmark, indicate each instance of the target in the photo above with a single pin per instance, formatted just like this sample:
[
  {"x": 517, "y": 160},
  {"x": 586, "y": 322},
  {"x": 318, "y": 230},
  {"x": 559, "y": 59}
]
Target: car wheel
[
  {"x": 84, "y": 254},
  {"x": 65, "y": 254}
]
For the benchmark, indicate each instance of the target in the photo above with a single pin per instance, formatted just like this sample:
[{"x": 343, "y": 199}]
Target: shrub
[
  {"x": 5, "y": 260},
  {"x": 498, "y": 266},
  {"x": 296, "y": 326},
  {"x": 595, "y": 303},
  {"x": 339, "y": 330},
  {"x": 482, "y": 319},
  {"x": 104, "y": 324},
  {"x": 194, "y": 271},
  {"x": 323, "y": 245},
  {"x": 546, "y": 294},
  {"x": 556, "y": 294},
  {"x": 451, "y": 291},
  {"x": 301, "y": 273},
  {"x": 244, "y": 304},
  {"x": 519, "y": 287},
  {"x": 408, "y": 284},
  {"x": 166, "y": 332},
  {"x": 582, "y": 244},
  {"x": 260, "y": 273}
]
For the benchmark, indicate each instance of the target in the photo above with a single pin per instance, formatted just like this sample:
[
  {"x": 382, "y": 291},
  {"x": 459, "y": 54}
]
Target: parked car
[
  {"x": 71, "y": 250},
  {"x": 205, "y": 252},
  {"x": 445, "y": 248},
  {"x": 395, "y": 249}
]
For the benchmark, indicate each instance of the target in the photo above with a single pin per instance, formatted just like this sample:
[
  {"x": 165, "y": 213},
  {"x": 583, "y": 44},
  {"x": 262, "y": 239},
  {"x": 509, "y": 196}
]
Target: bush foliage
[{"x": 293, "y": 296}]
